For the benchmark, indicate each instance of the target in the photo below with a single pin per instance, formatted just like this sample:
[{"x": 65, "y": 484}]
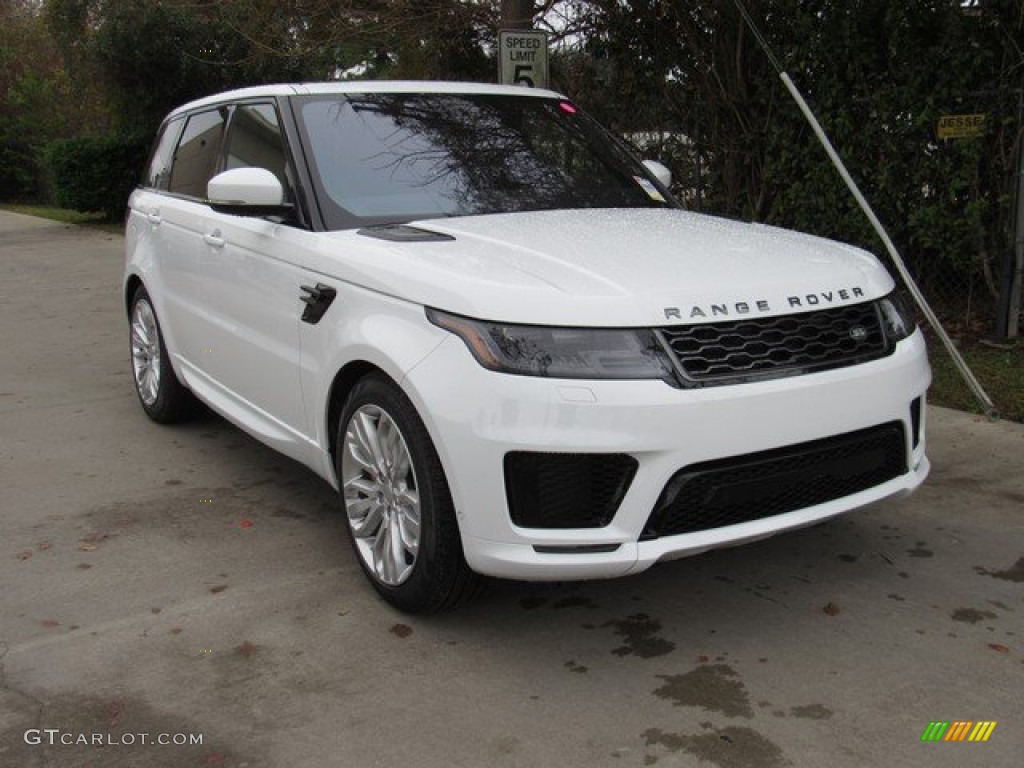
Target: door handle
[
  {"x": 317, "y": 301},
  {"x": 213, "y": 239}
]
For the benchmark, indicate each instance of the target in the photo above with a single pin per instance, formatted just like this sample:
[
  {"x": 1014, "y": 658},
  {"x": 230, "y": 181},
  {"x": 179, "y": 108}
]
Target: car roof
[{"x": 363, "y": 86}]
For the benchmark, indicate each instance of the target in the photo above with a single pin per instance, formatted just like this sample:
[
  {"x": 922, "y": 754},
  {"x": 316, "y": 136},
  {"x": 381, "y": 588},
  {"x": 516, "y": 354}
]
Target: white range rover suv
[{"x": 471, "y": 310}]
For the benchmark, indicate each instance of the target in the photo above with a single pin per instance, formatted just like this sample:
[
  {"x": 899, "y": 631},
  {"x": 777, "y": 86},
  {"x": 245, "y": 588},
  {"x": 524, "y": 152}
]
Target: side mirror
[
  {"x": 659, "y": 171},
  {"x": 247, "y": 192}
]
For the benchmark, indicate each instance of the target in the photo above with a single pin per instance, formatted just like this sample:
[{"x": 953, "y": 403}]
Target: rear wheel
[
  {"x": 163, "y": 397},
  {"x": 399, "y": 509}
]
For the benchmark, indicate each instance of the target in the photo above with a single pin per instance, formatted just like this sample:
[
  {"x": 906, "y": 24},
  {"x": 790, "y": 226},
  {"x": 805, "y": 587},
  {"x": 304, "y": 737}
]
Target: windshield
[{"x": 398, "y": 157}]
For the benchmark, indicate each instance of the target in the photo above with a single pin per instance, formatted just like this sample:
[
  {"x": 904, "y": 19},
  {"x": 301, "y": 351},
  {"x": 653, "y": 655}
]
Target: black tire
[
  {"x": 167, "y": 400},
  {"x": 437, "y": 578}
]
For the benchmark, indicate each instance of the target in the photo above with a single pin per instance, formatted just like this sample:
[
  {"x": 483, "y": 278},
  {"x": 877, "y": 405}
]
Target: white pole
[{"x": 933, "y": 321}]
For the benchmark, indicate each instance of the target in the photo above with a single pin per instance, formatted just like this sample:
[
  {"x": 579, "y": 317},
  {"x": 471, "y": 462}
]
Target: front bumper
[{"x": 476, "y": 417}]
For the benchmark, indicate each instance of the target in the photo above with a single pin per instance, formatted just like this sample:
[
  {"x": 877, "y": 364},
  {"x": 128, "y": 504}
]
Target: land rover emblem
[{"x": 858, "y": 333}]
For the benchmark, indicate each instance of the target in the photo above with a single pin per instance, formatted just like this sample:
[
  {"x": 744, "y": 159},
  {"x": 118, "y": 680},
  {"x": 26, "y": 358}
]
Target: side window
[
  {"x": 255, "y": 141},
  {"x": 195, "y": 161},
  {"x": 159, "y": 171}
]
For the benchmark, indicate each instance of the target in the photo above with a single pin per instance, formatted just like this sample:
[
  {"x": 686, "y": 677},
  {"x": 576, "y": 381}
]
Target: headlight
[
  {"x": 897, "y": 319},
  {"x": 560, "y": 353}
]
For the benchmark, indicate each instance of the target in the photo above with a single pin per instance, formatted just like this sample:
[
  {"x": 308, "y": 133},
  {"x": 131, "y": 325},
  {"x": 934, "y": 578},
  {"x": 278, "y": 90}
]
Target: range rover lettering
[{"x": 492, "y": 329}]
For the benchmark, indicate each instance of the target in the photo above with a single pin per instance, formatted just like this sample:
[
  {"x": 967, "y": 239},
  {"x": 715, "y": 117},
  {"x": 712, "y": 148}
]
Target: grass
[
  {"x": 998, "y": 366},
  {"x": 65, "y": 216}
]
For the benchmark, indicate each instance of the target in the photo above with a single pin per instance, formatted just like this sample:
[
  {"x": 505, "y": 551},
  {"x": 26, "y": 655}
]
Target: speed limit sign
[{"x": 523, "y": 57}]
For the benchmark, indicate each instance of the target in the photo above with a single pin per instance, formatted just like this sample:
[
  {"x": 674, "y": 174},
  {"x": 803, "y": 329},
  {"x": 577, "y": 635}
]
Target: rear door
[{"x": 147, "y": 241}]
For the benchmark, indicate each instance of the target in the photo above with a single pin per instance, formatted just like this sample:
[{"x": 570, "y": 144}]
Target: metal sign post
[{"x": 523, "y": 58}]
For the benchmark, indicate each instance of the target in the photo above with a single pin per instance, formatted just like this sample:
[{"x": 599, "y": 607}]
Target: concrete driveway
[{"x": 187, "y": 583}]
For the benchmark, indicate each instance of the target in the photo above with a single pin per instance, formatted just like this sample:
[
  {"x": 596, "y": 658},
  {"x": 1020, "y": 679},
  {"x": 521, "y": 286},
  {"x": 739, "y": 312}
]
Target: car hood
[{"x": 611, "y": 267}]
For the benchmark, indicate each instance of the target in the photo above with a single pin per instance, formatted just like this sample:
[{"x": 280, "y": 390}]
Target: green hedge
[{"x": 95, "y": 174}]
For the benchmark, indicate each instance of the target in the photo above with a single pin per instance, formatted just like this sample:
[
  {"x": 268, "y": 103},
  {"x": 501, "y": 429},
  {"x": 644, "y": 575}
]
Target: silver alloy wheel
[
  {"x": 145, "y": 352},
  {"x": 381, "y": 494}
]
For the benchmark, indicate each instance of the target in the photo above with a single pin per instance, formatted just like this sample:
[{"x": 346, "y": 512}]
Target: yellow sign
[{"x": 961, "y": 126}]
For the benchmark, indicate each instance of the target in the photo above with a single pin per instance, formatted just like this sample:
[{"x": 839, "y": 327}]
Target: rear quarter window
[{"x": 158, "y": 173}]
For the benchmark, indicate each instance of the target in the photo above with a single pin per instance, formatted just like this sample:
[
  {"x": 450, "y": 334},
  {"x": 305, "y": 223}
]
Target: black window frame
[{"x": 299, "y": 181}]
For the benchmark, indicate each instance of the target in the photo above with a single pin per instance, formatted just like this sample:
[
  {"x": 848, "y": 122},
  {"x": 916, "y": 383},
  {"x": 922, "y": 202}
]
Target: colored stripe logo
[{"x": 958, "y": 730}]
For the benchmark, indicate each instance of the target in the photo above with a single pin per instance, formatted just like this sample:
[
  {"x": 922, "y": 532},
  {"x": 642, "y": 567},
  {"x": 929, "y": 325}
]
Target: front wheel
[{"x": 399, "y": 509}]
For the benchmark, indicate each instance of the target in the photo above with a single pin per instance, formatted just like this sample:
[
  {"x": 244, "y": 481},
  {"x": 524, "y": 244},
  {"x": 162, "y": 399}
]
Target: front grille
[
  {"x": 770, "y": 347},
  {"x": 724, "y": 492},
  {"x": 566, "y": 490}
]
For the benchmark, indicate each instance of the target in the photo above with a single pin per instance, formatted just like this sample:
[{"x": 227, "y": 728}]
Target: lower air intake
[
  {"x": 566, "y": 490},
  {"x": 739, "y": 489}
]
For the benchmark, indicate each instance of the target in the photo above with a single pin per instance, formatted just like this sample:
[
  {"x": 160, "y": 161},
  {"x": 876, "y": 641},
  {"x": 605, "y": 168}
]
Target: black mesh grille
[
  {"x": 566, "y": 490},
  {"x": 769, "y": 347},
  {"x": 758, "y": 485}
]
